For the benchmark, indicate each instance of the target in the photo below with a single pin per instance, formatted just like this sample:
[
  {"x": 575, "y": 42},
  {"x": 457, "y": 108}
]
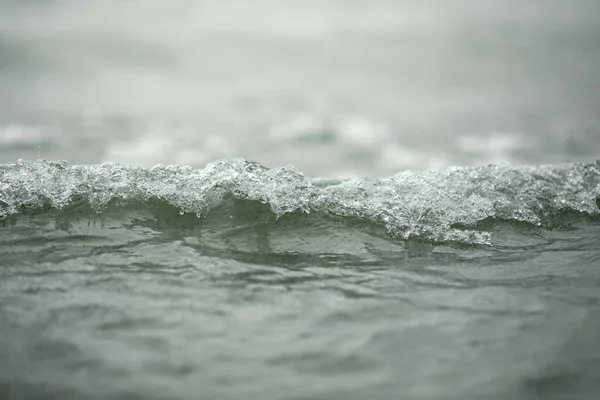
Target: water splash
[{"x": 437, "y": 206}]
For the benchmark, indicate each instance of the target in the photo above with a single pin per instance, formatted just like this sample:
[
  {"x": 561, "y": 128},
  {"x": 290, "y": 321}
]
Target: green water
[
  {"x": 369, "y": 267},
  {"x": 308, "y": 294}
]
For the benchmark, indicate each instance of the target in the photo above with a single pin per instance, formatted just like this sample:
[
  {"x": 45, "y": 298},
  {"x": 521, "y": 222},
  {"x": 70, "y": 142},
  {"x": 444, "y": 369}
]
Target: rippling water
[
  {"x": 284, "y": 199},
  {"x": 241, "y": 281}
]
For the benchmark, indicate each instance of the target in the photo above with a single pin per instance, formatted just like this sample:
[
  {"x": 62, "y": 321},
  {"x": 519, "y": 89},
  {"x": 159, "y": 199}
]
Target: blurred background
[{"x": 333, "y": 87}]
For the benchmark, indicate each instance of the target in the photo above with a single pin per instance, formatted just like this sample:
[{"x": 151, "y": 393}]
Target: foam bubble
[{"x": 442, "y": 206}]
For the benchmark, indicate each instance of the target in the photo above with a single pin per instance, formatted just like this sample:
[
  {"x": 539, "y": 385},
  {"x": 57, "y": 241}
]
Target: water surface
[{"x": 241, "y": 281}]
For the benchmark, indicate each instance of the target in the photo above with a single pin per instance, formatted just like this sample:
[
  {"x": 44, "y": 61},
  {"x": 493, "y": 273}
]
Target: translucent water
[
  {"x": 299, "y": 199},
  {"x": 241, "y": 281}
]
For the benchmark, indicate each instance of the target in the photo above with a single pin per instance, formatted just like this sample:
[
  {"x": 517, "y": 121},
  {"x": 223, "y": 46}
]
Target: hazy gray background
[{"x": 334, "y": 87}]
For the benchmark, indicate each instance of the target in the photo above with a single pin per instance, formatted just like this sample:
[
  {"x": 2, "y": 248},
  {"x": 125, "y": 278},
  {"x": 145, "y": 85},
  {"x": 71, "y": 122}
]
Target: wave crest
[{"x": 443, "y": 206}]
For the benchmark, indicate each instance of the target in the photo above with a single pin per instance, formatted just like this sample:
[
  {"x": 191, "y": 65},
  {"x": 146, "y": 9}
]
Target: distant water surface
[{"x": 364, "y": 87}]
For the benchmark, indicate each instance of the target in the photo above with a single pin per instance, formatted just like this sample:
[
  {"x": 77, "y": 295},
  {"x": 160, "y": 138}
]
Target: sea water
[
  {"x": 299, "y": 200},
  {"x": 241, "y": 281}
]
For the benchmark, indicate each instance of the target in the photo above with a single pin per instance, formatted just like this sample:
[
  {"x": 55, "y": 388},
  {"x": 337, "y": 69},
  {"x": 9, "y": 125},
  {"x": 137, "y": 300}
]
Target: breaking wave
[{"x": 449, "y": 206}]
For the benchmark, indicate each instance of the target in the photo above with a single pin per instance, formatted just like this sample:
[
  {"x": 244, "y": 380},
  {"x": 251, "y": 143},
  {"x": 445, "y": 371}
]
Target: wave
[{"x": 448, "y": 206}]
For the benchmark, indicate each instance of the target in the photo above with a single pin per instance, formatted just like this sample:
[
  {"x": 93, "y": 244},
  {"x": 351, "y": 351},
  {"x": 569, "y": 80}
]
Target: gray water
[
  {"x": 337, "y": 88},
  {"x": 299, "y": 200}
]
